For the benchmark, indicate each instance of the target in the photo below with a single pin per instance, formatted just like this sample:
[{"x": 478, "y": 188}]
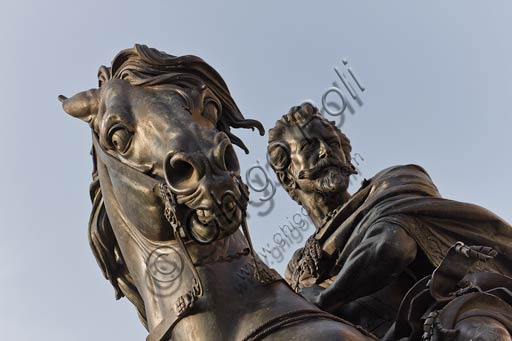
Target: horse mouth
[{"x": 208, "y": 224}]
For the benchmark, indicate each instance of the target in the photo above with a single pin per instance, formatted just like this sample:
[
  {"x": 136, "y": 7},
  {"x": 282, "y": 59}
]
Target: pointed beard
[{"x": 332, "y": 181}]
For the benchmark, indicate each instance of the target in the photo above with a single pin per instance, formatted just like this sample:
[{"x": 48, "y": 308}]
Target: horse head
[{"x": 161, "y": 143}]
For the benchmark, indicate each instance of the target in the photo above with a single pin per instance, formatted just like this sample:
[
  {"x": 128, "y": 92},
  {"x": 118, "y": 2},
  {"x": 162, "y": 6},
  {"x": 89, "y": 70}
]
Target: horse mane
[{"x": 144, "y": 66}]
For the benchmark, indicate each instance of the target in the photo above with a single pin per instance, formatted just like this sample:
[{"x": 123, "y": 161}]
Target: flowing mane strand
[{"x": 145, "y": 66}]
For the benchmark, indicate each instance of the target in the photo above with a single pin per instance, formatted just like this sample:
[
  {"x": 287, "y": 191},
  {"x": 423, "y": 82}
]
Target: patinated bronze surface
[
  {"x": 393, "y": 257},
  {"x": 370, "y": 248},
  {"x": 454, "y": 305},
  {"x": 166, "y": 181}
]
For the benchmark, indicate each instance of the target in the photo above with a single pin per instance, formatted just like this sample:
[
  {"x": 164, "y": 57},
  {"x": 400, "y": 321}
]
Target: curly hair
[{"x": 278, "y": 149}]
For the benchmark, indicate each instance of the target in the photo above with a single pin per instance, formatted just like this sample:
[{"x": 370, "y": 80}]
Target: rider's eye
[
  {"x": 334, "y": 144},
  {"x": 120, "y": 138},
  {"x": 304, "y": 145}
]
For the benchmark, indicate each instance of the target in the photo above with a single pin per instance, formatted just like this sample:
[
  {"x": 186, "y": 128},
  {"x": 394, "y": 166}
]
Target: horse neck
[
  {"x": 231, "y": 291},
  {"x": 159, "y": 295},
  {"x": 160, "y": 290}
]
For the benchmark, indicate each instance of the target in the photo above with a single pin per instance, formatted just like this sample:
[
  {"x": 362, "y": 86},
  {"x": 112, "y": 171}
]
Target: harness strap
[
  {"x": 164, "y": 328},
  {"x": 280, "y": 321}
]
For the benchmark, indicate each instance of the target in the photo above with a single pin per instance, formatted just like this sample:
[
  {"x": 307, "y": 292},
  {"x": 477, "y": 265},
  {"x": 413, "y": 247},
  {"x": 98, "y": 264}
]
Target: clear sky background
[{"x": 438, "y": 79}]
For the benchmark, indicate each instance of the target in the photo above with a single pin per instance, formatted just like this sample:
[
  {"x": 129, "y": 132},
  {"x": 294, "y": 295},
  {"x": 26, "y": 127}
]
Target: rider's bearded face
[{"x": 318, "y": 163}]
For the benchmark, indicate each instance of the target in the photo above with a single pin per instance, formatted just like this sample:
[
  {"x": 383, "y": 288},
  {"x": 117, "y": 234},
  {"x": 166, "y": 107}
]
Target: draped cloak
[{"x": 406, "y": 196}]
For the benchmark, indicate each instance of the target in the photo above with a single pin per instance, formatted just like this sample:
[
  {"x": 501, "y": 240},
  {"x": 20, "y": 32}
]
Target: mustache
[{"x": 312, "y": 173}]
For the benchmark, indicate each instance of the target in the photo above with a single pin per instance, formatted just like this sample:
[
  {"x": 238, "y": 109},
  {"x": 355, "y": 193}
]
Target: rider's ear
[
  {"x": 289, "y": 185},
  {"x": 84, "y": 105}
]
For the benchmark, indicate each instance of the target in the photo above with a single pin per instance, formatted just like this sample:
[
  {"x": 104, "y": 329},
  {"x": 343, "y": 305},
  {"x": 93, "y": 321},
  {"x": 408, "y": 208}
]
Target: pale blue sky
[{"x": 438, "y": 77}]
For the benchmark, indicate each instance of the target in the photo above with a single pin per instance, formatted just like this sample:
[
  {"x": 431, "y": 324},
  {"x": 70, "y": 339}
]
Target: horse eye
[
  {"x": 120, "y": 138},
  {"x": 211, "y": 111}
]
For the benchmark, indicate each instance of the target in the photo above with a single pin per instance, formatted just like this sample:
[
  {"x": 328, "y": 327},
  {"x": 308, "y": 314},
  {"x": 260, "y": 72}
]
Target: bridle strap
[
  {"x": 164, "y": 329},
  {"x": 134, "y": 174},
  {"x": 170, "y": 215}
]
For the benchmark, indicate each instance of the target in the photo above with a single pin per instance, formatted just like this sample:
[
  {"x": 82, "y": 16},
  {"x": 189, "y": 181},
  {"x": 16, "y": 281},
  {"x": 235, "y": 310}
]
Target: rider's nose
[
  {"x": 323, "y": 150},
  {"x": 183, "y": 171}
]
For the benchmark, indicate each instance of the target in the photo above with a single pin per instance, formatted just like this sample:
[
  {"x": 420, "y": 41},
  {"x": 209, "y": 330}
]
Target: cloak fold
[{"x": 406, "y": 195}]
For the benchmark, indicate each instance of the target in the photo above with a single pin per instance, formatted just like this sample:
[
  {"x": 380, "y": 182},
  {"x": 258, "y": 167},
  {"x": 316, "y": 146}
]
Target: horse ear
[{"x": 84, "y": 105}]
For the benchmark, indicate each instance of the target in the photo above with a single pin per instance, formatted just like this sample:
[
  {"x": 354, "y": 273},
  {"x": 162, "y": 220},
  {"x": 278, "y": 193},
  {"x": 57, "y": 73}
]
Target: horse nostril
[
  {"x": 230, "y": 207},
  {"x": 180, "y": 172},
  {"x": 230, "y": 159},
  {"x": 224, "y": 155}
]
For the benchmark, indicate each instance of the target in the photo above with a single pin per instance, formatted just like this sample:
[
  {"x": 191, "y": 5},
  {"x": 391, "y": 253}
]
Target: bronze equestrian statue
[
  {"x": 166, "y": 185},
  {"x": 370, "y": 248},
  {"x": 168, "y": 223}
]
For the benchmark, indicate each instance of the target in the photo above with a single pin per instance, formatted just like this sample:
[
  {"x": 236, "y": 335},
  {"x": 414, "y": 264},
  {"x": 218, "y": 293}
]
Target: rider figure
[{"x": 371, "y": 247}]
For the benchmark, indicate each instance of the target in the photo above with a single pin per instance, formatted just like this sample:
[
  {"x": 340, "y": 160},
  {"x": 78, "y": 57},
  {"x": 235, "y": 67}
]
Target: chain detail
[
  {"x": 308, "y": 264},
  {"x": 184, "y": 303},
  {"x": 328, "y": 217},
  {"x": 264, "y": 274},
  {"x": 428, "y": 326},
  {"x": 170, "y": 210}
]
